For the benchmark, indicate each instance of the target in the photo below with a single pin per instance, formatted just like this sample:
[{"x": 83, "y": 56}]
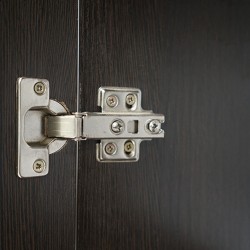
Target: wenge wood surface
[
  {"x": 38, "y": 39},
  {"x": 190, "y": 190}
]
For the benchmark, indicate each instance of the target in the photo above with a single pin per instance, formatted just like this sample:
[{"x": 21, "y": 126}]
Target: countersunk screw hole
[
  {"x": 39, "y": 166},
  {"x": 112, "y": 101},
  {"x": 110, "y": 148},
  {"x": 39, "y": 88},
  {"x": 129, "y": 148}
]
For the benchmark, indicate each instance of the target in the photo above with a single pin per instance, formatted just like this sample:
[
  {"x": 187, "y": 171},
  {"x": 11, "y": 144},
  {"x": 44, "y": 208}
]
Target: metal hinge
[{"x": 45, "y": 125}]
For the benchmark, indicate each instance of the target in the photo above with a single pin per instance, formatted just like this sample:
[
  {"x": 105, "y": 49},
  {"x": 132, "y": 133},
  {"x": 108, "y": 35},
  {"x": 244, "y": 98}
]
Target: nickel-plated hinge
[{"x": 45, "y": 126}]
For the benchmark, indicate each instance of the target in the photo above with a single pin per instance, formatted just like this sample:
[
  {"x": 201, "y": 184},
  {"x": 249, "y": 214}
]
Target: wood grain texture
[
  {"x": 190, "y": 190},
  {"x": 38, "y": 39}
]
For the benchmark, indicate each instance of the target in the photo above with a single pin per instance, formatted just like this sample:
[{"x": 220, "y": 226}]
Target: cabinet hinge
[{"x": 45, "y": 125}]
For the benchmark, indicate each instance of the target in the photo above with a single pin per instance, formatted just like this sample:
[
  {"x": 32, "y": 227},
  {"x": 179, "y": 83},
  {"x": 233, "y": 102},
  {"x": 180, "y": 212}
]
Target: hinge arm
[{"x": 97, "y": 125}]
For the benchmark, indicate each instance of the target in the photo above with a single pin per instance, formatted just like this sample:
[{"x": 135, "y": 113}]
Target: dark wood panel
[
  {"x": 190, "y": 190},
  {"x": 38, "y": 39}
]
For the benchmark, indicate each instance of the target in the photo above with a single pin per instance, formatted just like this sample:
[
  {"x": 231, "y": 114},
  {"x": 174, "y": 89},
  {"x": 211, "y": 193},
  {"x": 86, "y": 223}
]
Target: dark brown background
[
  {"x": 38, "y": 39},
  {"x": 189, "y": 191},
  {"x": 191, "y": 60}
]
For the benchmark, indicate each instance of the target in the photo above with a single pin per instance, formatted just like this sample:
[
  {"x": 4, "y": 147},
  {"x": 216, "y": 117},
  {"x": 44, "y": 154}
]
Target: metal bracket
[{"x": 44, "y": 125}]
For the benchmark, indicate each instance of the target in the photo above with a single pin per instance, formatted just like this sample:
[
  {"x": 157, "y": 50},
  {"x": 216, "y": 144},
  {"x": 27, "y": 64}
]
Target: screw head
[
  {"x": 39, "y": 166},
  {"x": 110, "y": 148},
  {"x": 130, "y": 99},
  {"x": 117, "y": 126},
  {"x": 154, "y": 126},
  {"x": 112, "y": 101},
  {"x": 129, "y": 147},
  {"x": 39, "y": 88}
]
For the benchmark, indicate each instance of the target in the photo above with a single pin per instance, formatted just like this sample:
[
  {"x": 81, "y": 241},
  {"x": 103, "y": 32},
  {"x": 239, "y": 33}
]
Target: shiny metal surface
[
  {"x": 39, "y": 88},
  {"x": 134, "y": 118},
  {"x": 32, "y": 143},
  {"x": 64, "y": 126},
  {"x": 117, "y": 124},
  {"x": 39, "y": 166},
  {"x": 110, "y": 148},
  {"x": 44, "y": 125},
  {"x": 112, "y": 101}
]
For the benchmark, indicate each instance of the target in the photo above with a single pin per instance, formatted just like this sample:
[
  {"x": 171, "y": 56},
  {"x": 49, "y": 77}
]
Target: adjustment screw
[
  {"x": 130, "y": 99},
  {"x": 117, "y": 126},
  {"x": 39, "y": 166},
  {"x": 129, "y": 147},
  {"x": 39, "y": 88},
  {"x": 110, "y": 148},
  {"x": 154, "y": 126},
  {"x": 112, "y": 101}
]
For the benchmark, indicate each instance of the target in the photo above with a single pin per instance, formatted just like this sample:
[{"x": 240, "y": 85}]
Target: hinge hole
[{"x": 133, "y": 126}]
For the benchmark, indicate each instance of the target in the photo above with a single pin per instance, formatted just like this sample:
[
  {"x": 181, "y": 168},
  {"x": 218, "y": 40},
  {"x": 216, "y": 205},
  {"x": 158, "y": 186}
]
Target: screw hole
[
  {"x": 129, "y": 148},
  {"x": 131, "y": 101}
]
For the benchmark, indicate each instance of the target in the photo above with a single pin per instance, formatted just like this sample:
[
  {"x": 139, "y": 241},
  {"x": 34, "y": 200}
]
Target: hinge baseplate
[{"x": 45, "y": 125}]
